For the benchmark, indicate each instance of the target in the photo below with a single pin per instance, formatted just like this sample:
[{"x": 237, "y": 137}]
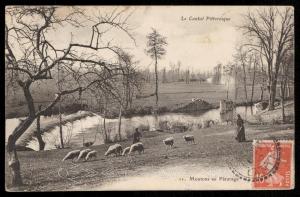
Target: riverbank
[
  {"x": 87, "y": 124},
  {"x": 171, "y": 97},
  {"x": 47, "y": 124},
  {"x": 44, "y": 170}
]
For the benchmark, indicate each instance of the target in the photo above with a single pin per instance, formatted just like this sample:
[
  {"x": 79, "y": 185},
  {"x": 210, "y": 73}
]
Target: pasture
[
  {"x": 44, "y": 170},
  {"x": 171, "y": 96}
]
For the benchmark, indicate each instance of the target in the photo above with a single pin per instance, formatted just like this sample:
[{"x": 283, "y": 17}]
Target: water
[{"x": 92, "y": 126}]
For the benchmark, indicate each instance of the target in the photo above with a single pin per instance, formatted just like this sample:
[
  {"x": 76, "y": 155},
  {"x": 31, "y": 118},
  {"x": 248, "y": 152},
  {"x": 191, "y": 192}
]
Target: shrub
[
  {"x": 144, "y": 127},
  {"x": 164, "y": 125},
  {"x": 179, "y": 126},
  {"x": 163, "y": 109}
]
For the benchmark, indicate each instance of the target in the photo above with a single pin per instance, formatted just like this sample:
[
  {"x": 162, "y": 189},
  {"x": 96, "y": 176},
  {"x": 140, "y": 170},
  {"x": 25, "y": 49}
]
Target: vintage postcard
[{"x": 149, "y": 98}]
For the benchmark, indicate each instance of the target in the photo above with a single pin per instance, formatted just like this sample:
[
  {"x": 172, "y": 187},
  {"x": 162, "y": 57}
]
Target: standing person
[
  {"x": 136, "y": 136},
  {"x": 240, "y": 133}
]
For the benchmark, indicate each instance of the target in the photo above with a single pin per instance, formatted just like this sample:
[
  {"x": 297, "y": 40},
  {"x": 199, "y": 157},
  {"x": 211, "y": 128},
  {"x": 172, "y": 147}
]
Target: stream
[{"x": 90, "y": 128}]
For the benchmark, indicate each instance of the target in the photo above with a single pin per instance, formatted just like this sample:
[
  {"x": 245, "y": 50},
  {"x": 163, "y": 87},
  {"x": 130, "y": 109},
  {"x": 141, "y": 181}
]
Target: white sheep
[
  {"x": 72, "y": 155},
  {"x": 92, "y": 154},
  {"x": 189, "y": 138},
  {"x": 116, "y": 149},
  {"x": 83, "y": 154},
  {"x": 207, "y": 123},
  {"x": 126, "y": 151},
  {"x": 136, "y": 147},
  {"x": 169, "y": 141}
]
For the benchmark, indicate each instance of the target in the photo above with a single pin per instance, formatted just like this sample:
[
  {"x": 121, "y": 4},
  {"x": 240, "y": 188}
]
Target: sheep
[
  {"x": 126, "y": 151},
  {"x": 91, "y": 155},
  {"x": 189, "y": 138},
  {"x": 72, "y": 155},
  {"x": 83, "y": 153},
  {"x": 169, "y": 141},
  {"x": 136, "y": 147},
  {"x": 116, "y": 149},
  {"x": 207, "y": 123}
]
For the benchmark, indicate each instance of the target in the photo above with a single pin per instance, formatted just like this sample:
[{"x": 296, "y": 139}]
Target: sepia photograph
[{"x": 122, "y": 98}]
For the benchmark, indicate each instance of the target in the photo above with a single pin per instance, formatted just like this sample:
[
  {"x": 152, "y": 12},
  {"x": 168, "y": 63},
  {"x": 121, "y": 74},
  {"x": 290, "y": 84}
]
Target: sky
[{"x": 198, "y": 44}]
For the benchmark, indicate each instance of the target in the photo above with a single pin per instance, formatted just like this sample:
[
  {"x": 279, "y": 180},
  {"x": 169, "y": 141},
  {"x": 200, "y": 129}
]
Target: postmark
[
  {"x": 271, "y": 167},
  {"x": 267, "y": 159}
]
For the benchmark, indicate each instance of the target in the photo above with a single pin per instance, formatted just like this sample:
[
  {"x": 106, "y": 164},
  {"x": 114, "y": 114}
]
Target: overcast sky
[{"x": 199, "y": 44}]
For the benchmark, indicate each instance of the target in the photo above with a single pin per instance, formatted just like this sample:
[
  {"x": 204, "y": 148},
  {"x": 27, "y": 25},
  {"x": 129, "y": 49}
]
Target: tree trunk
[
  {"x": 272, "y": 95},
  {"x": 104, "y": 128},
  {"x": 60, "y": 128},
  {"x": 245, "y": 83},
  {"x": 227, "y": 88},
  {"x": 156, "y": 94},
  {"x": 104, "y": 123},
  {"x": 253, "y": 80},
  {"x": 130, "y": 99},
  {"x": 235, "y": 86},
  {"x": 282, "y": 91},
  {"x": 288, "y": 91},
  {"x": 38, "y": 132},
  {"x": 120, "y": 119},
  {"x": 261, "y": 93},
  {"x": 282, "y": 109},
  {"x": 13, "y": 161}
]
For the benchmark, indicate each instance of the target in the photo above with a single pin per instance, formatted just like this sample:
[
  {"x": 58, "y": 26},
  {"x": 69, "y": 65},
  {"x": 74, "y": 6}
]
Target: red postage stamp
[{"x": 272, "y": 164}]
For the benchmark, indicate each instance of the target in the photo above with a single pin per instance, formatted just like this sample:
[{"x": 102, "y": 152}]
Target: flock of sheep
[
  {"x": 117, "y": 150},
  {"x": 76, "y": 155}
]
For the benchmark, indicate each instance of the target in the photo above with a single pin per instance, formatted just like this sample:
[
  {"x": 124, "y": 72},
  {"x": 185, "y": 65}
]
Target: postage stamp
[
  {"x": 113, "y": 98},
  {"x": 272, "y": 164}
]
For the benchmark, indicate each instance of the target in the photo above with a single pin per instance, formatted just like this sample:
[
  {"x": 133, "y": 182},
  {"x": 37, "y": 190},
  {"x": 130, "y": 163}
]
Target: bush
[
  {"x": 164, "y": 125},
  {"x": 144, "y": 127},
  {"x": 180, "y": 126},
  {"x": 163, "y": 109},
  {"x": 116, "y": 138},
  {"x": 275, "y": 121}
]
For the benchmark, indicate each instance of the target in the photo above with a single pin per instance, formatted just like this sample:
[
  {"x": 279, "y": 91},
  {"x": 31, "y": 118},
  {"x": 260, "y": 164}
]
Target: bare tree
[
  {"x": 242, "y": 57},
  {"x": 156, "y": 50},
  {"x": 262, "y": 76},
  {"x": 229, "y": 70},
  {"x": 285, "y": 73},
  {"x": 178, "y": 70},
  {"x": 187, "y": 76},
  {"x": 31, "y": 56},
  {"x": 164, "y": 77},
  {"x": 272, "y": 30},
  {"x": 255, "y": 62}
]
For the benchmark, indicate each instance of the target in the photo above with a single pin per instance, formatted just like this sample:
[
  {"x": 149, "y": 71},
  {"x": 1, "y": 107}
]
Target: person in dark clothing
[
  {"x": 136, "y": 136},
  {"x": 240, "y": 132}
]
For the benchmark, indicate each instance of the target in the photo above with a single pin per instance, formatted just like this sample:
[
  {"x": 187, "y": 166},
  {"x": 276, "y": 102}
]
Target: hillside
[{"x": 44, "y": 170}]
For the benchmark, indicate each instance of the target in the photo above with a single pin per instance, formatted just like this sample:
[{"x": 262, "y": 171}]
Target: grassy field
[
  {"x": 44, "y": 170},
  {"x": 178, "y": 93},
  {"x": 171, "y": 96}
]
